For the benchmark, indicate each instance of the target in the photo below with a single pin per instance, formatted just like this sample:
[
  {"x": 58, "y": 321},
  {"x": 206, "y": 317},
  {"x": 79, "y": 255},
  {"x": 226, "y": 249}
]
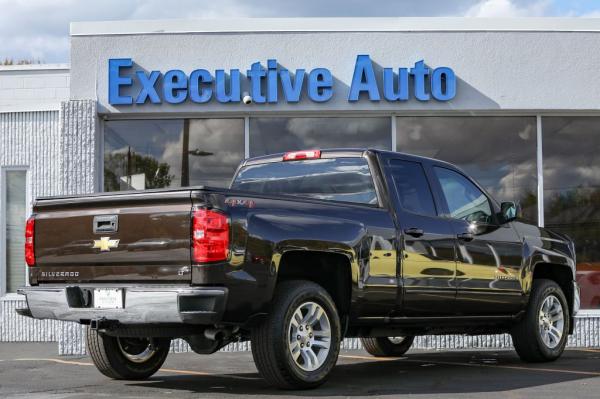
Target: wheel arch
[
  {"x": 331, "y": 270},
  {"x": 561, "y": 275}
]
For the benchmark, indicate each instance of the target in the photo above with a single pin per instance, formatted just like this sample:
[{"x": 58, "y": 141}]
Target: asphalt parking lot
[{"x": 34, "y": 371}]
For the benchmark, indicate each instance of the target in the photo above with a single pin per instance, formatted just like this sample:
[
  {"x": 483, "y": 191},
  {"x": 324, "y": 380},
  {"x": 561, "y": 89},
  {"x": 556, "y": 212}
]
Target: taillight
[
  {"x": 210, "y": 236},
  {"x": 297, "y": 155},
  {"x": 29, "y": 234}
]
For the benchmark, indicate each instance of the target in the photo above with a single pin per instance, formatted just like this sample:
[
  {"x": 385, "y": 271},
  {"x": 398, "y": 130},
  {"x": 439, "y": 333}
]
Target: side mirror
[{"x": 509, "y": 211}]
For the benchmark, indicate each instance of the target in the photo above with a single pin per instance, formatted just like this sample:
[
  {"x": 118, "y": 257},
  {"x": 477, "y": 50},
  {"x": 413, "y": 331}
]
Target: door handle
[
  {"x": 413, "y": 231},
  {"x": 465, "y": 236}
]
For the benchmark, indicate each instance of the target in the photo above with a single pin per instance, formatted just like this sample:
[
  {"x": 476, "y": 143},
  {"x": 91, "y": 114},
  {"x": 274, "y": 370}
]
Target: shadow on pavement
[{"x": 417, "y": 373}]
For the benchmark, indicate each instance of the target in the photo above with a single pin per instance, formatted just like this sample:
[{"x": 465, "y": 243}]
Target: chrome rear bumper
[{"x": 141, "y": 304}]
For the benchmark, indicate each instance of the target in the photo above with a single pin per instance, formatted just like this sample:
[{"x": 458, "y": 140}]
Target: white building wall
[
  {"x": 503, "y": 65},
  {"x": 33, "y": 87},
  {"x": 59, "y": 150},
  {"x": 55, "y": 141}
]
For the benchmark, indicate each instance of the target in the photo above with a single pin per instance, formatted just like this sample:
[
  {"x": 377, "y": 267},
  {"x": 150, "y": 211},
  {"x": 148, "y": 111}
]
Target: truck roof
[{"x": 346, "y": 152}]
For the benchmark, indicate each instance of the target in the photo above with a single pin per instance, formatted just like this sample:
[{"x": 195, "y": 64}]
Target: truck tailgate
[{"x": 121, "y": 236}]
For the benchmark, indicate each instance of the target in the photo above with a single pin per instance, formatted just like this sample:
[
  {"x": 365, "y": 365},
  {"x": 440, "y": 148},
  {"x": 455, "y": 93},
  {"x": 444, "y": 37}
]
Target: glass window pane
[
  {"x": 273, "y": 135},
  {"x": 572, "y": 193},
  {"x": 465, "y": 201},
  {"x": 499, "y": 152},
  {"x": 336, "y": 179},
  {"x": 412, "y": 187},
  {"x": 16, "y": 210},
  {"x": 145, "y": 154},
  {"x": 216, "y": 148}
]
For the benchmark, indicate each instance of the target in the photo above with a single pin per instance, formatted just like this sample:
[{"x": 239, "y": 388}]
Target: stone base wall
[
  {"x": 587, "y": 335},
  {"x": 71, "y": 336}
]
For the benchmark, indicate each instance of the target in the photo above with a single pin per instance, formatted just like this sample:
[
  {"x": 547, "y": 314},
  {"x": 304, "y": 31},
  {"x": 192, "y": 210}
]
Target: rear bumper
[{"x": 141, "y": 304}]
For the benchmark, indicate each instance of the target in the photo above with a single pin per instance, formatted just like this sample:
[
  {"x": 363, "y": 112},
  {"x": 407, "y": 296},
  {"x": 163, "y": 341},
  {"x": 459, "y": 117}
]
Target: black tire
[
  {"x": 270, "y": 339},
  {"x": 527, "y": 335},
  {"x": 383, "y": 347},
  {"x": 108, "y": 357}
]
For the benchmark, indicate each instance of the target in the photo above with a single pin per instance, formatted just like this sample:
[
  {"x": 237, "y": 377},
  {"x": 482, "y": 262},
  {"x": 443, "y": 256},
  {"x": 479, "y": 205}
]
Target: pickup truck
[{"x": 304, "y": 249}]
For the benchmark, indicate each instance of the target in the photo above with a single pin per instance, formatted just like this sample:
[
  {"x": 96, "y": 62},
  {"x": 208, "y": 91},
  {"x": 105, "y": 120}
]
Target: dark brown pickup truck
[{"x": 304, "y": 249}]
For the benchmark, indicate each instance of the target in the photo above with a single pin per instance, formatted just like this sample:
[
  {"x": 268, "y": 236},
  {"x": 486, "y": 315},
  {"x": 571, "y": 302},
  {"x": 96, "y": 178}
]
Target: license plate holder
[{"x": 108, "y": 298}]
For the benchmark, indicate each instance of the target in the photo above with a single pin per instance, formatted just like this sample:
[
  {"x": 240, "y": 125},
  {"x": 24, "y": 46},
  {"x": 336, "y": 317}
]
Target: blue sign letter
[
  {"x": 115, "y": 81},
  {"x": 319, "y": 85},
  {"x": 292, "y": 91},
  {"x": 175, "y": 86},
  {"x": 197, "y": 94},
  {"x": 256, "y": 73},
  {"x": 419, "y": 72},
  {"x": 437, "y": 87},
  {"x": 363, "y": 80},
  {"x": 148, "y": 89},
  {"x": 234, "y": 86},
  {"x": 272, "y": 81},
  {"x": 389, "y": 92}
]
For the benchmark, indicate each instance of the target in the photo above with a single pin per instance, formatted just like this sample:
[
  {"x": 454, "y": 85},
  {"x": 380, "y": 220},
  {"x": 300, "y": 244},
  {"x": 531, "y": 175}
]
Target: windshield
[{"x": 336, "y": 179}]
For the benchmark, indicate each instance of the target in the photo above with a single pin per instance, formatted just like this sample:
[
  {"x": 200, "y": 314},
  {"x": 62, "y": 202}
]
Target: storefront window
[
  {"x": 171, "y": 153},
  {"x": 499, "y": 152},
  {"x": 572, "y": 193},
  {"x": 273, "y": 135}
]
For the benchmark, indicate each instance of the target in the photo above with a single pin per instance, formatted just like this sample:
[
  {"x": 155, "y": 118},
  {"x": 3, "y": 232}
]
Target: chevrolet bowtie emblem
[{"x": 105, "y": 244}]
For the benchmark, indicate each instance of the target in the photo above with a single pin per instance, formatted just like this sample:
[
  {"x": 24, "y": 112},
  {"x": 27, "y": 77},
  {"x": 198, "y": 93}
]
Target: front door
[
  {"x": 427, "y": 264},
  {"x": 489, "y": 253}
]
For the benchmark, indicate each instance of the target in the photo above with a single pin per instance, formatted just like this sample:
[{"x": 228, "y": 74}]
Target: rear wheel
[
  {"x": 541, "y": 335},
  {"x": 124, "y": 358},
  {"x": 298, "y": 344},
  {"x": 387, "y": 346}
]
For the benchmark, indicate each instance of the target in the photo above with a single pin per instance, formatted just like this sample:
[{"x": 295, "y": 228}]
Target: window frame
[
  {"x": 4, "y": 294},
  {"x": 436, "y": 207},
  {"x": 443, "y": 205},
  {"x": 364, "y": 156}
]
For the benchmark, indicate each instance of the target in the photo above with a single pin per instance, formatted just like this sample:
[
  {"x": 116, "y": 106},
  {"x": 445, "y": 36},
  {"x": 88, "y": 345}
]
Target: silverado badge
[{"x": 105, "y": 244}]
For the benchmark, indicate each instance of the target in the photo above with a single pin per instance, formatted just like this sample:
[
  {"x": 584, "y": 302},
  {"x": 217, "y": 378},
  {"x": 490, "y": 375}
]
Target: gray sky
[{"x": 39, "y": 29}]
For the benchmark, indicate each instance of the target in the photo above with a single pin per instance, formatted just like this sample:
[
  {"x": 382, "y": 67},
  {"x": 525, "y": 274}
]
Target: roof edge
[
  {"x": 34, "y": 67},
  {"x": 340, "y": 24}
]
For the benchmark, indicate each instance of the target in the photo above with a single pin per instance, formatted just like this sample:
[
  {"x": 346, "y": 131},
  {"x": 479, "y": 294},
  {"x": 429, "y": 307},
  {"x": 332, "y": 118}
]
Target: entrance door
[{"x": 428, "y": 267}]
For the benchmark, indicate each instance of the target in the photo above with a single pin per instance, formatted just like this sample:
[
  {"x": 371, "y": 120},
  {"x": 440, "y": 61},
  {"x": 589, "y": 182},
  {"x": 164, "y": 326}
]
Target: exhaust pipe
[{"x": 215, "y": 334}]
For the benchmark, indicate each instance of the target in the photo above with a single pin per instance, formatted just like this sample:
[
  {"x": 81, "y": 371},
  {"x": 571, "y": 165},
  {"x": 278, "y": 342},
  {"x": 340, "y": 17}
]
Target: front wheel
[
  {"x": 298, "y": 344},
  {"x": 123, "y": 358},
  {"x": 388, "y": 346},
  {"x": 541, "y": 335}
]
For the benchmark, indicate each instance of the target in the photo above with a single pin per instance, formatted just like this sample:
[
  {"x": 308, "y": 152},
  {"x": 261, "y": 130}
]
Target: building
[{"x": 149, "y": 104}]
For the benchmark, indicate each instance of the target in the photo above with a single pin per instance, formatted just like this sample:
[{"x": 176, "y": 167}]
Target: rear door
[
  {"x": 428, "y": 267},
  {"x": 489, "y": 253}
]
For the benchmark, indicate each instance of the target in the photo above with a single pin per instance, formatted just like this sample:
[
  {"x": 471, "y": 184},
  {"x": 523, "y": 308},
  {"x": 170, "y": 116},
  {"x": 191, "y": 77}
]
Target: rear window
[{"x": 335, "y": 179}]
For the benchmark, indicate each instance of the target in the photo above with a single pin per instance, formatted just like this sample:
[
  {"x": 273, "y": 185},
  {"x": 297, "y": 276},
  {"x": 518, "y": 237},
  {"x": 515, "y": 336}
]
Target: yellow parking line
[
  {"x": 175, "y": 371},
  {"x": 428, "y": 361},
  {"x": 202, "y": 373},
  {"x": 379, "y": 359},
  {"x": 55, "y": 361},
  {"x": 588, "y": 350},
  {"x": 546, "y": 370}
]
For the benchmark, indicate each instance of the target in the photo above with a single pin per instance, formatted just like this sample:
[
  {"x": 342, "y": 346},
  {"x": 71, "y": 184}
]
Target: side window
[
  {"x": 465, "y": 201},
  {"x": 412, "y": 188}
]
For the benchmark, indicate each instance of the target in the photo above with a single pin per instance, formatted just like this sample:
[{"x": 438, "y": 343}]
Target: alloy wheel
[{"x": 309, "y": 336}]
